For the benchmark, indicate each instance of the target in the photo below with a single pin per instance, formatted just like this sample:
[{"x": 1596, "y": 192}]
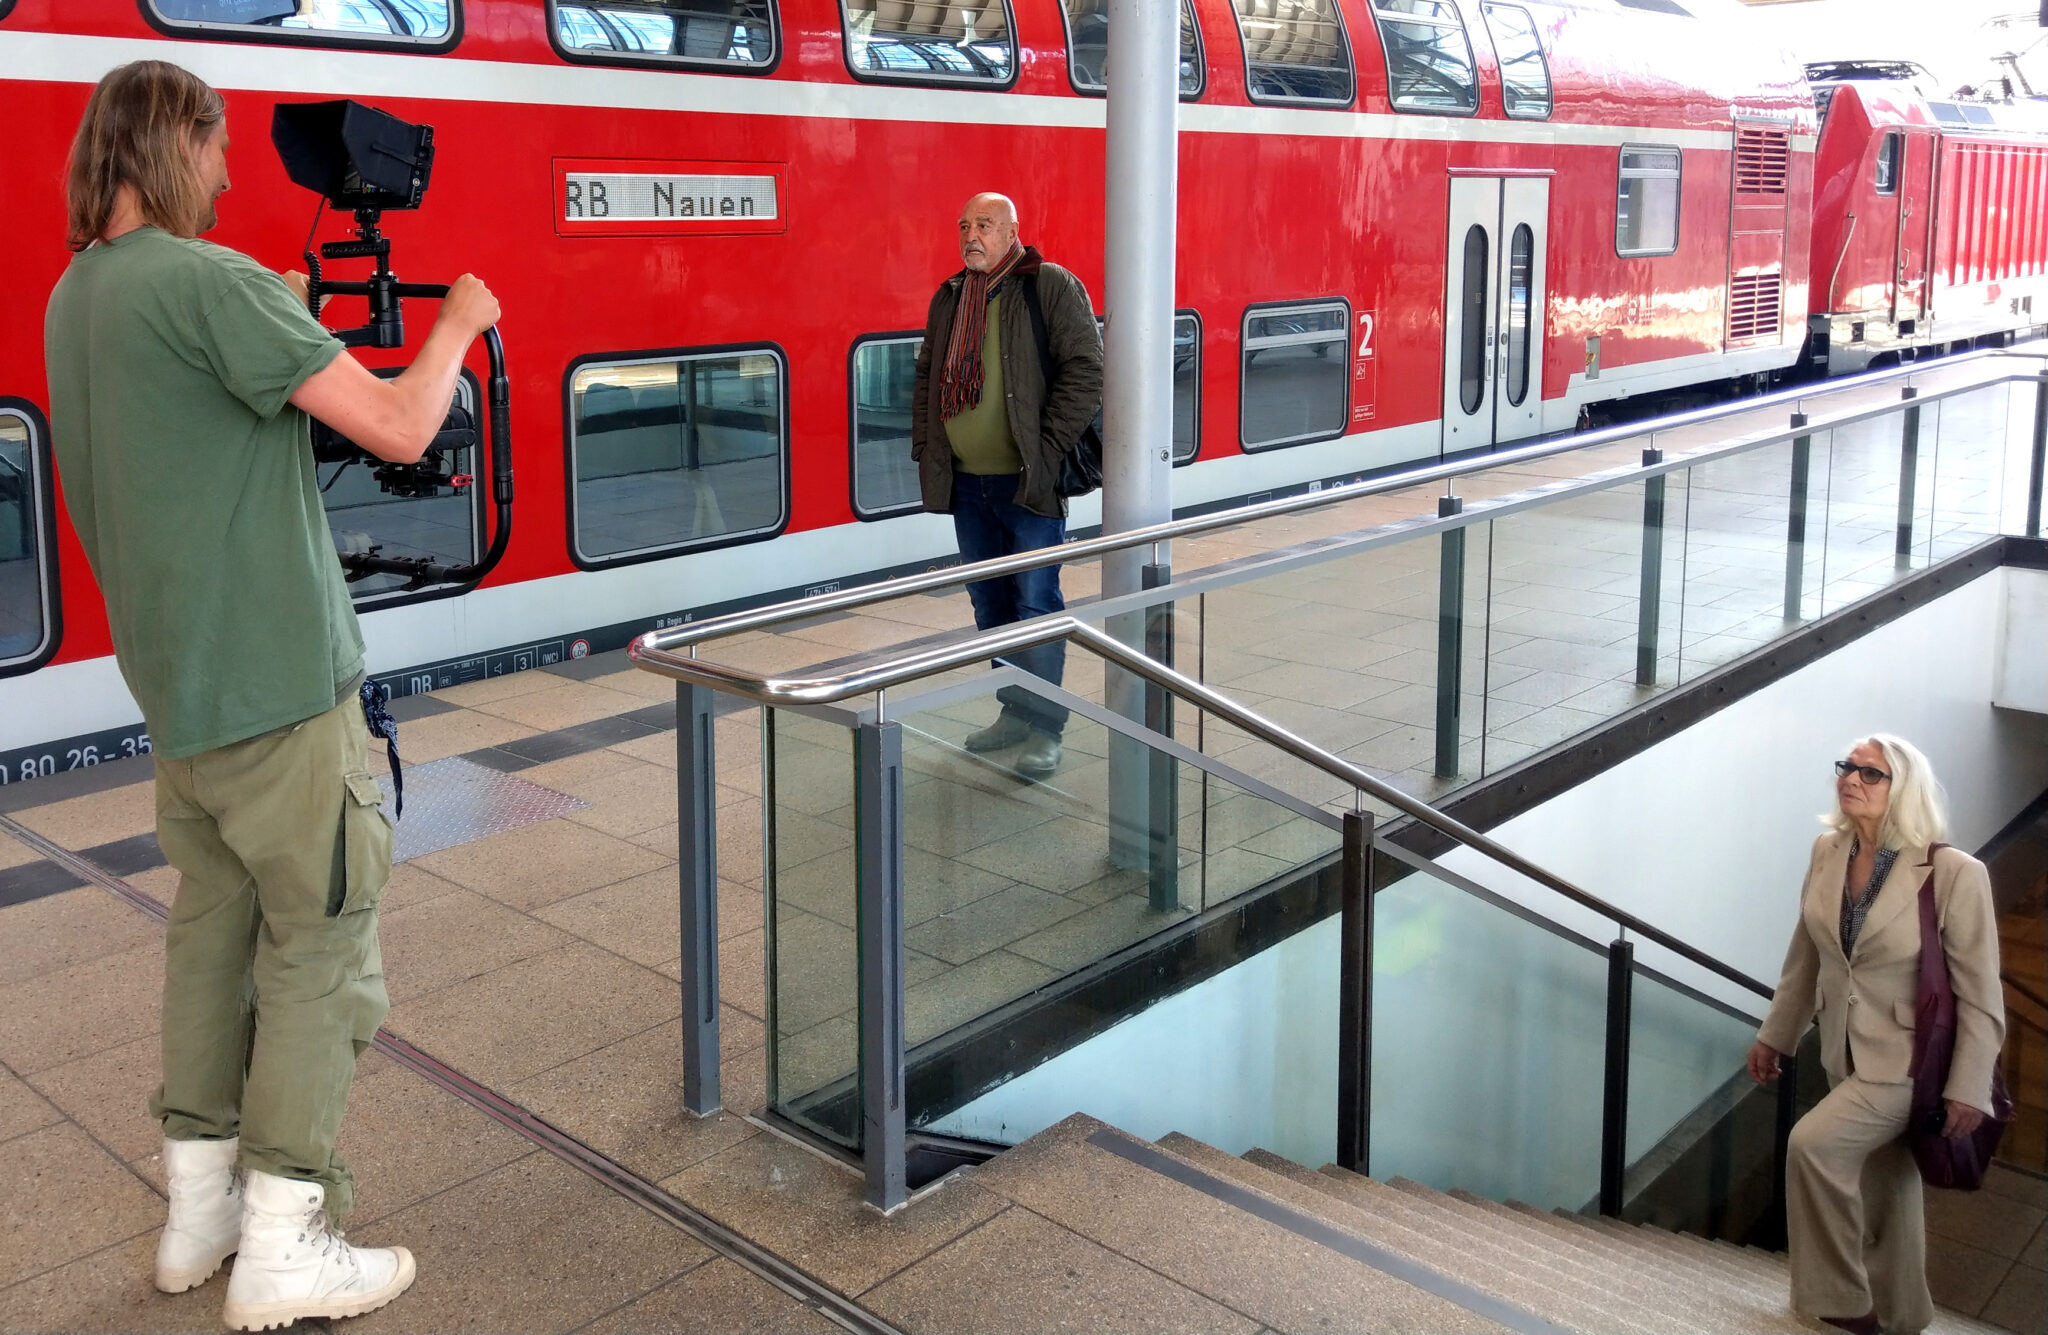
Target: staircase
[{"x": 1301, "y": 1250}]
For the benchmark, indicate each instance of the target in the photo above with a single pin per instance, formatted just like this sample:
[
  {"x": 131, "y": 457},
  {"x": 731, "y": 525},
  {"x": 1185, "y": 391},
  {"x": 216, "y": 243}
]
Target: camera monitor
[{"x": 357, "y": 156}]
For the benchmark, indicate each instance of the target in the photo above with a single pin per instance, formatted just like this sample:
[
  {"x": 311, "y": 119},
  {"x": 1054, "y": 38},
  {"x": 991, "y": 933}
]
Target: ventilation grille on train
[
  {"x": 1755, "y": 306},
  {"x": 1762, "y": 158}
]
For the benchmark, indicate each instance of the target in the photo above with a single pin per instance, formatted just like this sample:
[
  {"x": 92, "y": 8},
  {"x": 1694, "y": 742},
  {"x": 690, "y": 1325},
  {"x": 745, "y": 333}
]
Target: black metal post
[
  {"x": 697, "y": 870},
  {"x": 1354, "y": 999},
  {"x": 1909, "y": 468},
  {"x": 1650, "y": 598},
  {"x": 878, "y": 843},
  {"x": 1450, "y": 639},
  {"x": 1795, "y": 522},
  {"x": 2040, "y": 456},
  {"x": 1781, "y": 1140},
  {"x": 1162, "y": 860},
  {"x": 1621, "y": 964}
]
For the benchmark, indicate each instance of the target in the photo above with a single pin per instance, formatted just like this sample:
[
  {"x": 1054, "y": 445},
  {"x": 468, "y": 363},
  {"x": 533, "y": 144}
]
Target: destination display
[{"x": 627, "y": 198}]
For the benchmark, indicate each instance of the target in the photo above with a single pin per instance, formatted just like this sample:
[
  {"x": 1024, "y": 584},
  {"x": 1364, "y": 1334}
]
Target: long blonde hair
[
  {"x": 140, "y": 127},
  {"x": 1917, "y": 813}
]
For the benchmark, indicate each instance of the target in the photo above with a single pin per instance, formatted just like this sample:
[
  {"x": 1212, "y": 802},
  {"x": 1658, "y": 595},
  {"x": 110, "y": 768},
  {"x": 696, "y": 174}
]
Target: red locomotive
[{"x": 1408, "y": 228}]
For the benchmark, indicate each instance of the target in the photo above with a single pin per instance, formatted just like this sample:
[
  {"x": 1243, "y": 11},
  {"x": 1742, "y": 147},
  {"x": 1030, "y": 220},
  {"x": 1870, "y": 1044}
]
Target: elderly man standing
[{"x": 989, "y": 425}]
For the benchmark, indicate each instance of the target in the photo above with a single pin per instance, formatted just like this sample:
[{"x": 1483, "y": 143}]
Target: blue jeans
[{"x": 989, "y": 523}]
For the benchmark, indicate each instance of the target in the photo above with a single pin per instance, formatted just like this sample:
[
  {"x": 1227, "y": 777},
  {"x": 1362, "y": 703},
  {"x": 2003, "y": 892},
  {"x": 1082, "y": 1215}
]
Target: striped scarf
[{"x": 960, "y": 379}]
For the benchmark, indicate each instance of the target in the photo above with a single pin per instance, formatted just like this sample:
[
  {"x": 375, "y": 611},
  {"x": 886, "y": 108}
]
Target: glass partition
[{"x": 813, "y": 957}]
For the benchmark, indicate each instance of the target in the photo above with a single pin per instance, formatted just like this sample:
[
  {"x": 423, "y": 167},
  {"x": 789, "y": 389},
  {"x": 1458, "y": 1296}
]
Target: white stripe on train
[{"x": 368, "y": 75}]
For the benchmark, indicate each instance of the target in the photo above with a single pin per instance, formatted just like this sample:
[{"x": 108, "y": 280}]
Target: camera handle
[{"x": 498, "y": 394}]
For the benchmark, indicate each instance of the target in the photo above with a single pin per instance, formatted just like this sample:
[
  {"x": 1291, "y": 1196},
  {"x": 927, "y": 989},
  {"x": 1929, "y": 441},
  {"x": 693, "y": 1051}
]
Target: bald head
[{"x": 988, "y": 228}]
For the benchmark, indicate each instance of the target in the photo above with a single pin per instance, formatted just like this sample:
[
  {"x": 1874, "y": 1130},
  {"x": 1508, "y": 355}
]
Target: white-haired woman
[{"x": 1852, "y": 1192}]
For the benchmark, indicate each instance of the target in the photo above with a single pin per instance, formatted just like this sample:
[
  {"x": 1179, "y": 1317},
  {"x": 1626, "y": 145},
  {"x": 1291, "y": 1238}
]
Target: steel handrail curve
[
  {"x": 694, "y": 633},
  {"x": 1044, "y": 630}
]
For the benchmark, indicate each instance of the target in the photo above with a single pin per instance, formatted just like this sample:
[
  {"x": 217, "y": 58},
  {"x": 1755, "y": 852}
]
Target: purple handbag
[{"x": 1958, "y": 1162}]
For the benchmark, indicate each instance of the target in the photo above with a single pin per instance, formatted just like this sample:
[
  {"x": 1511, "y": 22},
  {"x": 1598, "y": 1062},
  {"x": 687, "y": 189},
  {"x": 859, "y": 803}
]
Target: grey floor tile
[
  {"x": 989, "y": 924},
  {"x": 716, "y": 1298},
  {"x": 109, "y": 1292},
  {"x": 1997, "y": 1224},
  {"x": 2021, "y": 1303},
  {"x": 66, "y": 1199}
]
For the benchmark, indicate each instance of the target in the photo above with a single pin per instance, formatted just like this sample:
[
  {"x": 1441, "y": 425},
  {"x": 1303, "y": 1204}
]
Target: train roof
[{"x": 1893, "y": 103}]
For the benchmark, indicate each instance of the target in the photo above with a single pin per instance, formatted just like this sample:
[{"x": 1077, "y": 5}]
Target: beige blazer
[{"x": 1865, "y": 1001}]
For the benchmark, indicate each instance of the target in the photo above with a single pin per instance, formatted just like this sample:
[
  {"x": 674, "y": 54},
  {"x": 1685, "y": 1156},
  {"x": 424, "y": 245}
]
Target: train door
[
  {"x": 1493, "y": 310},
  {"x": 1916, "y": 227}
]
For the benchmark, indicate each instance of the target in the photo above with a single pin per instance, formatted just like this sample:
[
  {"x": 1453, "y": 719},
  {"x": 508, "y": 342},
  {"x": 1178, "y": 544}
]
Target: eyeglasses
[{"x": 1868, "y": 773}]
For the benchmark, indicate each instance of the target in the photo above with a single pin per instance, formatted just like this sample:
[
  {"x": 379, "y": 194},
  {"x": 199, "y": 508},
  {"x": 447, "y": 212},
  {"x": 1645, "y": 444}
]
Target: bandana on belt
[{"x": 960, "y": 379}]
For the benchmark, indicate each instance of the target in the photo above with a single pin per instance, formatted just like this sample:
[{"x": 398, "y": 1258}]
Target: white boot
[
  {"x": 206, "y": 1212},
  {"x": 293, "y": 1265}
]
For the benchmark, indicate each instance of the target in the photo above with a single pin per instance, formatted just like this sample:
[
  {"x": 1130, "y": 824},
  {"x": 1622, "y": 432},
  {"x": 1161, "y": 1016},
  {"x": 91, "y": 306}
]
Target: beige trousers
[{"x": 1858, "y": 1229}]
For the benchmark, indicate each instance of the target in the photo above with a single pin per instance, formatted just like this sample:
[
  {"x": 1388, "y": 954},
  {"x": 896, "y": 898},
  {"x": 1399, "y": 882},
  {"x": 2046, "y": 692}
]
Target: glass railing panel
[
  {"x": 1488, "y": 1055},
  {"x": 1563, "y": 640},
  {"x": 1978, "y": 460},
  {"x": 1861, "y": 513},
  {"x": 813, "y": 959},
  {"x": 1737, "y": 514},
  {"x": 1700, "y": 1133},
  {"x": 1014, "y": 885}
]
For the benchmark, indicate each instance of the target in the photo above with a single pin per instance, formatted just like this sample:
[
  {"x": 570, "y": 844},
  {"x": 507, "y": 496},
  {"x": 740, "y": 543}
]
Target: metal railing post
[
  {"x": 1162, "y": 861},
  {"x": 697, "y": 871},
  {"x": 878, "y": 842},
  {"x": 1650, "y": 598},
  {"x": 1621, "y": 963},
  {"x": 1450, "y": 639},
  {"x": 1909, "y": 468},
  {"x": 1354, "y": 1018},
  {"x": 1781, "y": 1143},
  {"x": 2040, "y": 455},
  {"x": 1795, "y": 523}
]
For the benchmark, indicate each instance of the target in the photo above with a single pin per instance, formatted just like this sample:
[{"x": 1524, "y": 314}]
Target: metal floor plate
[{"x": 456, "y": 801}]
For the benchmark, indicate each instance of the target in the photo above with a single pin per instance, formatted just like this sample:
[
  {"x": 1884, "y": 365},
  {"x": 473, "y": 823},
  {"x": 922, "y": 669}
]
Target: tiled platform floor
[{"x": 543, "y": 963}]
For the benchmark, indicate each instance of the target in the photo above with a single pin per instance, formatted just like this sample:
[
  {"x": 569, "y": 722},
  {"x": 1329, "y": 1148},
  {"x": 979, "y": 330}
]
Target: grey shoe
[
  {"x": 1007, "y": 730},
  {"x": 1040, "y": 756}
]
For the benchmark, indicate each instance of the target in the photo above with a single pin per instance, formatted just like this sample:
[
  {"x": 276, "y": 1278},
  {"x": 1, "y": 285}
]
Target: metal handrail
[
  {"x": 1029, "y": 634},
  {"x": 841, "y": 600}
]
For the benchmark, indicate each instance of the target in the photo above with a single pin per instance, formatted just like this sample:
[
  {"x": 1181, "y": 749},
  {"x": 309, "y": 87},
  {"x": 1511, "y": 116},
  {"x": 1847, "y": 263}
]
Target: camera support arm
[{"x": 386, "y": 323}]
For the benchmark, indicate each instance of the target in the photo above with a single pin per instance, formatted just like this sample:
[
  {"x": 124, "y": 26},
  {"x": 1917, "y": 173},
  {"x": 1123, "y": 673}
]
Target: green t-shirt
[
  {"x": 190, "y": 478},
  {"x": 980, "y": 436}
]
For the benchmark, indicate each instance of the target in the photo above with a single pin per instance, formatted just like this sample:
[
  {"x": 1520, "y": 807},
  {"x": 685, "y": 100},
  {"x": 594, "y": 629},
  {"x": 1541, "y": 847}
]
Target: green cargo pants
[{"x": 273, "y": 984}]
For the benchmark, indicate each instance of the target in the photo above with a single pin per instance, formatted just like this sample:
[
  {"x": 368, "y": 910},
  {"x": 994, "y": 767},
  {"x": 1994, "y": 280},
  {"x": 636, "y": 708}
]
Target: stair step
[
  {"x": 1667, "y": 1302},
  {"x": 1538, "y": 1282},
  {"x": 1235, "y": 1258},
  {"x": 1683, "y": 1289},
  {"x": 1305, "y": 1191}
]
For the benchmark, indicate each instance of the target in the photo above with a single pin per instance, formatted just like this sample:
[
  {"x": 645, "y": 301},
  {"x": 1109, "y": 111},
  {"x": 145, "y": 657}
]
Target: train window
[
  {"x": 1524, "y": 75},
  {"x": 1429, "y": 56},
  {"x": 28, "y": 593},
  {"x": 1472, "y": 331},
  {"x": 1187, "y": 387},
  {"x": 884, "y": 474},
  {"x": 1088, "y": 47},
  {"x": 1646, "y": 201},
  {"x": 426, "y": 22},
  {"x": 963, "y": 41},
  {"x": 1521, "y": 265},
  {"x": 1295, "y": 374},
  {"x": 1295, "y": 51},
  {"x": 723, "y": 33},
  {"x": 1888, "y": 163},
  {"x": 447, "y": 528},
  {"x": 678, "y": 451}
]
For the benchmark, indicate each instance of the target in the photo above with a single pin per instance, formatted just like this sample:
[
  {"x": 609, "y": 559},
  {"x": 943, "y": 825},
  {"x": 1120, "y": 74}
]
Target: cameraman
[{"x": 181, "y": 379}]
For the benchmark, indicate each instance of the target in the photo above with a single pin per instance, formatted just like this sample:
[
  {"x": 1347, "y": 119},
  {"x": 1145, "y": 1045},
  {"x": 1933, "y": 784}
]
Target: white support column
[
  {"x": 1143, "y": 161},
  {"x": 1139, "y": 240}
]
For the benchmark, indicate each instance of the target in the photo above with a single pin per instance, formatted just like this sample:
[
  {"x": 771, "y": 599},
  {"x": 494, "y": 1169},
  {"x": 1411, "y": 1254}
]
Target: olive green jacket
[{"x": 1044, "y": 424}]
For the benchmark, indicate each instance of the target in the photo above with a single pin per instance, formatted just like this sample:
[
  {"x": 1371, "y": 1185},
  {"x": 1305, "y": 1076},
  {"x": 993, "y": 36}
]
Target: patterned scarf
[{"x": 960, "y": 379}]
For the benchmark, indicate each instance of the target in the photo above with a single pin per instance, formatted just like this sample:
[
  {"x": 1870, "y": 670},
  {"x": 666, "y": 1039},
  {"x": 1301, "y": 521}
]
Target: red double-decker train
[{"x": 1408, "y": 228}]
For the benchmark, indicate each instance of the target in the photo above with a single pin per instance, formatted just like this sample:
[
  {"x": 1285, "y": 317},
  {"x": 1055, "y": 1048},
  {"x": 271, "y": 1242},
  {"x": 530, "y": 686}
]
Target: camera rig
[{"x": 363, "y": 160}]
